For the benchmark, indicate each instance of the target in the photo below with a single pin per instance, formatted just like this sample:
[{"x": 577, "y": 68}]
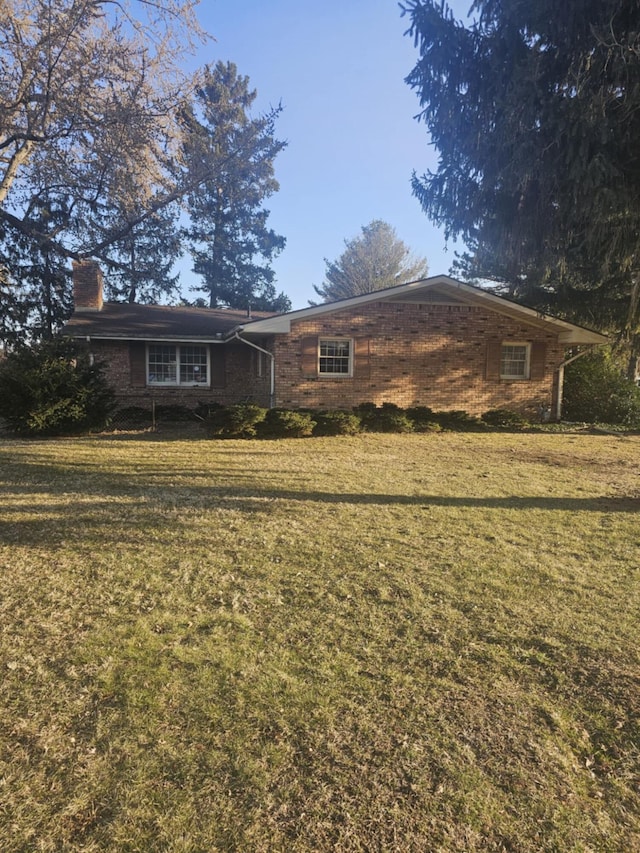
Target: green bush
[
  {"x": 423, "y": 419},
  {"x": 239, "y": 421},
  {"x": 53, "y": 389},
  {"x": 597, "y": 391},
  {"x": 174, "y": 413},
  {"x": 284, "y": 423},
  {"x": 504, "y": 419},
  {"x": 365, "y": 412},
  {"x": 386, "y": 418},
  {"x": 336, "y": 423},
  {"x": 457, "y": 419}
]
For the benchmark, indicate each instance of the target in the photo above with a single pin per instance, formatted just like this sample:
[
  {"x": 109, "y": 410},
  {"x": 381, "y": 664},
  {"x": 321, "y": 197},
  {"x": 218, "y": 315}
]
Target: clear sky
[{"x": 338, "y": 68}]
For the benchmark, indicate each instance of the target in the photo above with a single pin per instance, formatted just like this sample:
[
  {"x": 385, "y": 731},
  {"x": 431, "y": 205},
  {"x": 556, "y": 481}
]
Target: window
[
  {"x": 335, "y": 357},
  {"x": 169, "y": 364},
  {"x": 515, "y": 361}
]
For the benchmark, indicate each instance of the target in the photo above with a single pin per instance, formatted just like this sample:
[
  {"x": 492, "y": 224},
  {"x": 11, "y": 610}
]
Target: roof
[
  {"x": 125, "y": 321},
  {"x": 441, "y": 288}
]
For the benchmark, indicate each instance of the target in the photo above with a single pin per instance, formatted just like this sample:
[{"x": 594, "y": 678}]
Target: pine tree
[
  {"x": 374, "y": 260},
  {"x": 533, "y": 108},
  {"x": 231, "y": 244},
  {"x": 141, "y": 267}
]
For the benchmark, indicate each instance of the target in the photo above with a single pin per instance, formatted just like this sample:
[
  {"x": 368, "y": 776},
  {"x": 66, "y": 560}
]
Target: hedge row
[{"x": 247, "y": 420}]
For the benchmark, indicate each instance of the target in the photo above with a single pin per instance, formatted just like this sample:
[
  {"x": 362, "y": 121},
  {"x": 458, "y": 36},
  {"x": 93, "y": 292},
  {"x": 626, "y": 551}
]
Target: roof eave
[
  {"x": 153, "y": 338},
  {"x": 568, "y": 333}
]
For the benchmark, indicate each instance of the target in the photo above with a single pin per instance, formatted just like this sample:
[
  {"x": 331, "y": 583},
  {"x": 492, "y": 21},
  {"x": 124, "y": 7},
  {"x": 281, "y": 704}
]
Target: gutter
[{"x": 272, "y": 371}]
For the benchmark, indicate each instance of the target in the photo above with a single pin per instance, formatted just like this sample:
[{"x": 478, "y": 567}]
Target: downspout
[
  {"x": 272, "y": 385},
  {"x": 561, "y": 368}
]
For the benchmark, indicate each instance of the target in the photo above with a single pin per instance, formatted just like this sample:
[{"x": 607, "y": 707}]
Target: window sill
[{"x": 334, "y": 376}]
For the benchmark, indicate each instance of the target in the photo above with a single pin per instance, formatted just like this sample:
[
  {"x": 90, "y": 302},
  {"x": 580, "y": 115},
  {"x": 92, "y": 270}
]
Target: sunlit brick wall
[{"x": 432, "y": 355}]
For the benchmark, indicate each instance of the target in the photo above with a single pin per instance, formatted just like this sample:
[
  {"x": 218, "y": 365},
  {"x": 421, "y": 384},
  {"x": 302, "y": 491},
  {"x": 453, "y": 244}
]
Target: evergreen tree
[
  {"x": 35, "y": 284},
  {"x": 231, "y": 244},
  {"x": 52, "y": 388},
  {"x": 140, "y": 265},
  {"x": 374, "y": 260},
  {"x": 533, "y": 108}
]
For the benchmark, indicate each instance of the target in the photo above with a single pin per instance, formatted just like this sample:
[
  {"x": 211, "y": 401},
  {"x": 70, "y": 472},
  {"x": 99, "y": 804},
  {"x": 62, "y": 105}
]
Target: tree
[
  {"x": 142, "y": 262},
  {"x": 595, "y": 390},
  {"x": 231, "y": 244},
  {"x": 372, "y": 261},
  {"x": 35, "y": 286},
  {"x": 53, "y": 388},
  {"x": 533, "y": 108},
  {"x": 90, "y": 116}
]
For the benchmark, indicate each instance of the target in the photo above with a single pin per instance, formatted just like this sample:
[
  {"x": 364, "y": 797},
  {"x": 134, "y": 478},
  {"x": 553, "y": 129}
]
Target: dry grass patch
[{"x": 416, "y": 643}]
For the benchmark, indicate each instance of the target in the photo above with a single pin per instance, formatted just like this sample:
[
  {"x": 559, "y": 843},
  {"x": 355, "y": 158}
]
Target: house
[{"x": 436, "y": 342}]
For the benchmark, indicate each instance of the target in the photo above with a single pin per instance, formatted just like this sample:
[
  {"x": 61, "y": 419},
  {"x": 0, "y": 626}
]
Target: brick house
[{"x": 436, "y": 342}]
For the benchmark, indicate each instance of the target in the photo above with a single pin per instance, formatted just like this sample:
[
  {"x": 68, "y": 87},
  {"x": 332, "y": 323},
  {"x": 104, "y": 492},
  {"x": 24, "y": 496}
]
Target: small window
[
  {"x": 335, "y": 357},
  {"x": 177, "y": 365},
  {"x": 515, "y": 361}
]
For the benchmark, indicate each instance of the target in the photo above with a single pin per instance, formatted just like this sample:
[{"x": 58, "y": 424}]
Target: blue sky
[{"x": 338, "y": 68}]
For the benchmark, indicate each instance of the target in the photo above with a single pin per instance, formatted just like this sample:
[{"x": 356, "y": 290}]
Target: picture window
[{"x": 169, "y": 364}]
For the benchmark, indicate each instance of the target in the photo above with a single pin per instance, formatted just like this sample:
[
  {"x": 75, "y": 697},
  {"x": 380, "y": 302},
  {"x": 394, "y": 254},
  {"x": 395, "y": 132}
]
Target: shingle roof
[
  {"x": 153, "y": 322},
  {"x": 418, "y": 291}
]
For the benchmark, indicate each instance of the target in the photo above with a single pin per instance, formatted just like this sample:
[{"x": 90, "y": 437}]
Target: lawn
[{"x": 378, "y": 643}]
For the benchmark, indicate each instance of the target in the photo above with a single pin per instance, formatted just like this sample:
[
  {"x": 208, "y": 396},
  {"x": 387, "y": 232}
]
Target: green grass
[{"x": 377, "y": 643}]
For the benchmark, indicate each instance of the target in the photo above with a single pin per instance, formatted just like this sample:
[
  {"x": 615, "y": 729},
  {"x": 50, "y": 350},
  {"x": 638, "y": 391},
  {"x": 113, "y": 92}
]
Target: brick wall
[
  {"x": 419, "y": 354},
  {"x": 241, "y": 380}
]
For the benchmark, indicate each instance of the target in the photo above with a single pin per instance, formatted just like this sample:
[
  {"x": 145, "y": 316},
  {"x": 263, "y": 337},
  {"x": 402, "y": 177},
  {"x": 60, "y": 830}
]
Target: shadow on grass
[{"x": 59, "y": 516}]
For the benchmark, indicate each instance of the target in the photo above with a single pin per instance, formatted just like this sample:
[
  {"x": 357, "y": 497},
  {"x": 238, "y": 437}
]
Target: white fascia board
[
  {"x": 154, "y": 339},
  {"x": 568, "y": 333},
  {"x": 579, "y": 335},
  {"x": 282, "y": 322}
]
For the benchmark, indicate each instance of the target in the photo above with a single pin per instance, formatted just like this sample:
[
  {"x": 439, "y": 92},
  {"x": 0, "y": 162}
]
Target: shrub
[
  {"x": 175, "y": 413},
  {"x": 336, "y": 423},
  {"x": 423, "y": 419},
  {"x": 504, "y": 419},
  {"x": 365, "y": 412},
  {"x": 52, "y": 389},
  {"x": 239, "y": 421},
  {"x": 387, "y": 418},
  {"x": 284, "y": 423},
  {"x": 596, "y": 390},
  {"x": 457, "y": 419},
  {"x": 203, "y": 410}
]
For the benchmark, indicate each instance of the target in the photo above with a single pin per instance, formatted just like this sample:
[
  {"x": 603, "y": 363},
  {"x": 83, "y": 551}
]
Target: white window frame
[
  {"x": 331, "y": 374},
  {"x": 516, "y": 377},
  {"x": 177, "y": 383}
]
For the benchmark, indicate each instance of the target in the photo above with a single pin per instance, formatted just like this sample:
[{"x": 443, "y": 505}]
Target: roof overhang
[
  {"x": 568, "y": 333},
  {"x": 156, "y": 339}
]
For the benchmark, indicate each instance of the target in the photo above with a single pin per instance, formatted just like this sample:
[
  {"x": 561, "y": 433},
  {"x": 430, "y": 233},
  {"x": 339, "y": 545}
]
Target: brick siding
[
  {"x": 419, "y": 354},
  {"x": 241, "y": 383}
]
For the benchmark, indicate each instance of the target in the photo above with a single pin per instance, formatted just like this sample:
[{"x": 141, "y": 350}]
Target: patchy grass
[{"x": 412, "y": 643}]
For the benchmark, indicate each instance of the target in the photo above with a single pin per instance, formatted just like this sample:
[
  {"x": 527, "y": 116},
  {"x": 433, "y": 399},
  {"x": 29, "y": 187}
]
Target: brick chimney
[{"x": 87, "y": 286}]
